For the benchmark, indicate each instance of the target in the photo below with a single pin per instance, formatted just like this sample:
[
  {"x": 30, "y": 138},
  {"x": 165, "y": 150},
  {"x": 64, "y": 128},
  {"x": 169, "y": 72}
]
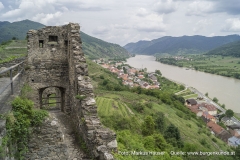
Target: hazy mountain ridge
[
  {"x": 179, "y": 45},
  {"x": 92, "y": 47}
]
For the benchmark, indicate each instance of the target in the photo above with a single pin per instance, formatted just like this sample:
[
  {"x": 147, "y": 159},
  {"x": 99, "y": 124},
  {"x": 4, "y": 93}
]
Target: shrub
[{"x": 19, "y": 122}]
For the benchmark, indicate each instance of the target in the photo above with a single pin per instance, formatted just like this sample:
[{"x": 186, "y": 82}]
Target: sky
[{"x": 125, "y": 21}]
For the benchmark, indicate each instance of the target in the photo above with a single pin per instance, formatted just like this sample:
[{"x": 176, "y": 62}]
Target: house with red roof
[
  {"x": 208, "y": 117},
  {"x": 215, "y": 128},
  {"x": 195, "y": 110},
  {"x": 211, "y": 109}
]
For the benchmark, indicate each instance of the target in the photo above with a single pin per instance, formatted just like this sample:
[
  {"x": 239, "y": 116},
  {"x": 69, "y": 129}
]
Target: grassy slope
[
  {"x": 12, "y": 50},
  {"x": 115, "y": 104}
]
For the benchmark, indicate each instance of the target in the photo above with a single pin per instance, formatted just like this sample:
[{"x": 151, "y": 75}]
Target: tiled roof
[{"x": 215, "y": 127}]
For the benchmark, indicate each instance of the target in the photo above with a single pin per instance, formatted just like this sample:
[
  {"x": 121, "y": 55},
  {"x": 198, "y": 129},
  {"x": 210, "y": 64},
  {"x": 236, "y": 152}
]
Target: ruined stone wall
[
  {"x": 62, "y": 64},
  {"x": 100, "y": 140},
  {"x": 47, "y": 60}
]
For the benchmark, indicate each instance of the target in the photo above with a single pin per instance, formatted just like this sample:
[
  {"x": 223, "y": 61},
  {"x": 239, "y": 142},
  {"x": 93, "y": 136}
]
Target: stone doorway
[{"x": 52, "y": 98}]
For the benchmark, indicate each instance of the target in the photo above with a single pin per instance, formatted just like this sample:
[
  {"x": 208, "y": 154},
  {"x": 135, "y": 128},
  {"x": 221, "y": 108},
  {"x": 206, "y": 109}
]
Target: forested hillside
[
  {"x": 17, "y": 29},
  {"x": 96, "y": 48},
  {"x": 230, "y": 49}
]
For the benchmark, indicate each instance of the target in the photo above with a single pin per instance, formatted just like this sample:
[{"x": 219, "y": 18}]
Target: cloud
[
  {"x": 232, "y": 25},
  {"x": 121, "y": 26},
  {"x": 165, "y": 6},
  {"x": 49, "y": 18},
  {"x": 231, "y": 7},
  {"x": 1, "y": 6},
  {"x": 200, "y": 25},
  {"x": 101, "y": 30},
  {"x": 142, "y": 12},
  {"x": 199, "y": 8},
  {"x": 151, "y": 27},
  {"x": 28, "y": 8},
  {"x": 150, "y": 23}
]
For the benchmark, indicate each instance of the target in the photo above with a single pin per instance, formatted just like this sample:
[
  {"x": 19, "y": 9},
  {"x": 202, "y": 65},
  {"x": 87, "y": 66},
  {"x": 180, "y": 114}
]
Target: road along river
[{"x": 226, "y": 90}]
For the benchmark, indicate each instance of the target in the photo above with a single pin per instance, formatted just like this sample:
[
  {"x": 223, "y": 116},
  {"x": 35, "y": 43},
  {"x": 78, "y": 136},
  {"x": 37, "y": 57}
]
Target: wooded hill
[
  {"x": 180, "y": 45},
  {"x": 92, "y": 47},
  {"x": 17, "y": 29},
  {"x": 230, "y": 49}
]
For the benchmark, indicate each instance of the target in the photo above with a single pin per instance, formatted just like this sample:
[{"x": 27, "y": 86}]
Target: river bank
[
  {"x": 224, "y": 88},
  {"x": 219, "y": 65}
]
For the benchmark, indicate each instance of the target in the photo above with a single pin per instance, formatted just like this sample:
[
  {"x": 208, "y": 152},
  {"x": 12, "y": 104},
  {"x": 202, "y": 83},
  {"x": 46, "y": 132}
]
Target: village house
[
  {"x": 145, "y": 85},
  {"x": 219, "y": 131},
  {"x": 224, "y": 135},
  {"x": 105, "y": 66},
  {"x": 234, "y": 130},
  {"x": 195, "y": 110},
  {"x": 140, "y": 76},
  {"x": 124, "y": 77},
  {"x": 114, "y": 70},
  {"x": 132, "y": 71},
  {"x": 215, "y": 128},
  {"x": 227, "y": 121},
  {"x": 208, "y": 117},
  {"x": 153, "y": 78},
  {"x": 191, "y": 102},
  {"x": 233, "y": 141},
  {"x": 211, "y": 109}
]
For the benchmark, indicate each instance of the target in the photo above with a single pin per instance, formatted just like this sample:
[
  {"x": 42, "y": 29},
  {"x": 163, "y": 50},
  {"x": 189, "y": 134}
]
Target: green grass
[
  {"x": 12, "y": 50},
  {"x": 119, "y": 111},
  {"x": 107, "y": 106},
  {"x": 193, "y": 134},
  {"x": 190, "y": 96}
]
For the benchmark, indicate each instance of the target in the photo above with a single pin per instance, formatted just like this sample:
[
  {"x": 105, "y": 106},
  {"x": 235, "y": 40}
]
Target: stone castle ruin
[{"x": 57, "y": 66}]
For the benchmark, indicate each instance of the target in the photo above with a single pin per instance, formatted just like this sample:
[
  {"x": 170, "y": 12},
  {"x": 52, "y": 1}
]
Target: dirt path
[{"x": 54, "y": 140}]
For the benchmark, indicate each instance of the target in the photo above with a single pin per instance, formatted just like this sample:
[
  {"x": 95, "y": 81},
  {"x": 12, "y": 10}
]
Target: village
[
  {"x": 219, "y": 124},
  {"x": 130, "y": 76}
]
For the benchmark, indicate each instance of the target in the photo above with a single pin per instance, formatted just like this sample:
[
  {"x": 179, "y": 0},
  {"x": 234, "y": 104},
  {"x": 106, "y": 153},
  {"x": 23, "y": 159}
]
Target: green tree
[
  {"x": 223, "y": 106},
  {"x": 237, "y": 152},
  {"x": 160, "y": 122},
  {"x": 172, "y": 135},
  {"x": 206, "y": 94},
  {"x": 148, "y": 126},
  {"x": 158, "y": 72},
  {"x": 124, "y": 70},
  {"x": 215, "y": 100},
  {"x": 229, "y": 113}
]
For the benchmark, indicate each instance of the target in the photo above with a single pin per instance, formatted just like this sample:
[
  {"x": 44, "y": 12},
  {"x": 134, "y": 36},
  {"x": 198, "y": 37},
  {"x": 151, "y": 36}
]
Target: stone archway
[{"x": 49, "y": 96}]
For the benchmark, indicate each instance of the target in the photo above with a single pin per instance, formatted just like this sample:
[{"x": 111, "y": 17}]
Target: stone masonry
[
  {"x": 54, "y": 140},
  {"x": 55, "y": 59}
]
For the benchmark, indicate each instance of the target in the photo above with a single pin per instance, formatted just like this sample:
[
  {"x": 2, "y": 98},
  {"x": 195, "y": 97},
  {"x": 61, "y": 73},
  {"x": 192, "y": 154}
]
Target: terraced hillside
[{"x": 147, "y": 120}]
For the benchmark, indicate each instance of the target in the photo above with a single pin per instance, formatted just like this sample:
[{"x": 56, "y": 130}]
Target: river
[{"x": 225, "y": 89}]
